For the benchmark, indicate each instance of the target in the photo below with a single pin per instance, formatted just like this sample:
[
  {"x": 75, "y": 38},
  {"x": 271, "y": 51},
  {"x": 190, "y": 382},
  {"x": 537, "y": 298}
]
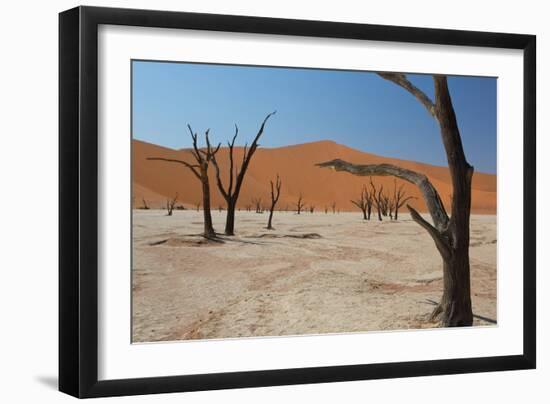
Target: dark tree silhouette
[
  {"x": 377, "y": 198},
  {"x": 300, "y": 204},
  {"x": 385, "y": 201},
  {"x": 275, "y": 194},
  {"x": 258, "y": 204},
  {"x": 236, "y": 176},
  {"x": 333, "y": 206},
  {"x": 145, "y": 206},
  {"x": 450, "y": 235},
  {"x": 170, "y": 204},
  {"x": 311, "y": 208},
  {"x": 363, "y": 202},
  {"x": 203, "y": 157},
  {"x": 399, "y": 198},
  {"x": 369, "y": 200}
]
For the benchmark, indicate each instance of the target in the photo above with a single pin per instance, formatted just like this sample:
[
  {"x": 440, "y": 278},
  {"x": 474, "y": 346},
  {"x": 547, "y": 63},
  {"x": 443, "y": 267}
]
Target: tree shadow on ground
[{"x": 479, "y": 317}]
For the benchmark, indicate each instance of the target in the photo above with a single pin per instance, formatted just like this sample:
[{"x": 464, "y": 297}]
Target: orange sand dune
[{"x": 157, "y": 180}]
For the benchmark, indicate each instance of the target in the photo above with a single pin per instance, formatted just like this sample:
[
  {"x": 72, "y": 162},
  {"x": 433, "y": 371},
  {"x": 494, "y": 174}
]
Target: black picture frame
[{"x": 78, "y": 196}]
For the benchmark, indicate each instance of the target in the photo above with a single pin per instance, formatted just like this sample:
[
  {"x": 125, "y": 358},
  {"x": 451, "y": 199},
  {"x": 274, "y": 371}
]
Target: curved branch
[
  {"x": 247, "y": 155},
  {"x": 404, "y": 201},
  {"x": 401, "y": 80},
  {"x": 226, "y": 193},
  {"x": 437, "y": 237},
  {"x": 195, "y": 151},
  {"x": 192, "y": 167},
  {"x": 231, "y": 163},
  {"x": 430, "y": 194}
]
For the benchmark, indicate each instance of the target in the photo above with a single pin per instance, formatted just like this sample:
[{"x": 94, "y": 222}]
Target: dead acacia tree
[
  {"x": 236, "y": 175},
  {"x": 145, "y": 206},
  {"x": 377, "y": 198},
  {"x": 258, "y": 204},
  {"x": 311, "y": 208},
  {"x": 198, "y": 206},
  {"x": 202, "y": 157},
  {"x": 333, "y": 206},
  {"x": 369, "y": 200},
  {"x": 451, "y": 235},
  {"x": 275, "y": 193},
  {"x": 399, "y": 198},
  {"x": 300, "y": 204},
  {"x": 363, "y": 202},
  {"x": 385, "y": 200},
  {"x": 170, "y": 204}
]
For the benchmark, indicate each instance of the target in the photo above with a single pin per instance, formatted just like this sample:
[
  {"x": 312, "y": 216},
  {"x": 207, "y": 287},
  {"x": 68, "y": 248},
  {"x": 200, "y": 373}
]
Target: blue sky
[{"x": 358, "y": 109}]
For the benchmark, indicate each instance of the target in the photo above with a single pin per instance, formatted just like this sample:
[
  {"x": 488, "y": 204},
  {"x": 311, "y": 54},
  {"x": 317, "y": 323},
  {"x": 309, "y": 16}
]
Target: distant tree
[
  {"x": 203, "y": 157},
  {"x": 326, "y": 209},
  {"x": 236, "y": 176},
  {"x": 399, "y": 198},
  {"x": 145, "y": 206},
  {"x": 198, "y": 206},
  {"x": 275, "y": 194},
  {"x": 311, "y": 208},
  {"x": 377, "y": 198},
  {"x": 170, "y": 203},
  {"x": 258, "y": 204},
  {"x": 300, "y": 204},
  {"x": 363, "y": 202},
  {"x": 385, "y": 203}
]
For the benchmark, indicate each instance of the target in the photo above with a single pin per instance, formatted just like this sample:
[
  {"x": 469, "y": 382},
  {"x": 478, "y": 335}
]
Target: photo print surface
[{"x": 273, "y": 201}]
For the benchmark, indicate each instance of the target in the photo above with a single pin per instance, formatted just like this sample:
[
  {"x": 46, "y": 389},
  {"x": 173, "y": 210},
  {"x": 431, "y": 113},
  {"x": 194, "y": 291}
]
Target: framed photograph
[{"x": 251, "y": 201}]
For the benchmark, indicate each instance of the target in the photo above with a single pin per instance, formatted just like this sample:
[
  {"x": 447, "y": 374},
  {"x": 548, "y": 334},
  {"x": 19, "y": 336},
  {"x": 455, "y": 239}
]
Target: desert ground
[{"x": 315, "y": 273}]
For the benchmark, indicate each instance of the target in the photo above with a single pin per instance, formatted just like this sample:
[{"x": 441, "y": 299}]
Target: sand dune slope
[{"x": 155, "y": 181}]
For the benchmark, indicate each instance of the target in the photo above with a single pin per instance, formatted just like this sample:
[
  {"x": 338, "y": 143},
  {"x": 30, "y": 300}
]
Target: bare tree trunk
[
  {"x": 208, "y": 227},
  {"x": 232, "y": 191},
  {"x": 376, "y": 197},
  {"x": 300, "y": 204},
  {"x": 456, "y": 305},
  {"x": 451, "y": 235},
  {"x": 171, "y": 204},
  {"x": 363, "y": 201},
  {"x": 275, "y": 194},
  {"x": 230, "y": 219}
]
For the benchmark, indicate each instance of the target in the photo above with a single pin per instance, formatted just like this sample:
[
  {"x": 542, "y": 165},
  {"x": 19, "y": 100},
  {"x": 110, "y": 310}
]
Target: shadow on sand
[{"x": 483, "y": 318}]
